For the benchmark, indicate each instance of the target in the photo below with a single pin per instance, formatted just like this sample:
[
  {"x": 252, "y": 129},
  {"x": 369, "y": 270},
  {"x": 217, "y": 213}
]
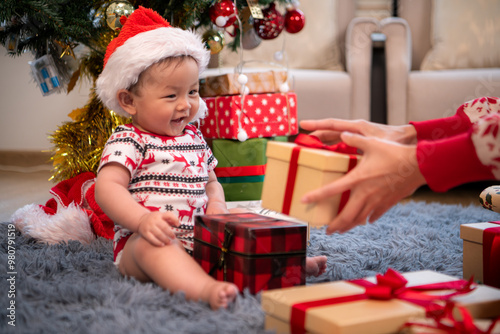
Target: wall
[{"x": 27, "y": 117}]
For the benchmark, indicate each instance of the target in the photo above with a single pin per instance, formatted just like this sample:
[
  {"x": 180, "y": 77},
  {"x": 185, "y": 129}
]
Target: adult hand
[
  {"x": 155, "y": 227},
  {"x": 387, "y": 172},
  {"x": 329, "y": 130}
]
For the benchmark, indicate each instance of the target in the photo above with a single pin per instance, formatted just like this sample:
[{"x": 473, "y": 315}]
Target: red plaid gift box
[
  {"x": 251, "y": 250},
  {"x": 264, "y": 115}
]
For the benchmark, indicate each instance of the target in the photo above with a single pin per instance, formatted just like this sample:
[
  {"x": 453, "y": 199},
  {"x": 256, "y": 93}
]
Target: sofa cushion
[
  {"x": 314, "y": 47},
  {"x": 437, "y": 94},
  {"x": 465, "y": 34},
  {"x": 322, "y": 94}
]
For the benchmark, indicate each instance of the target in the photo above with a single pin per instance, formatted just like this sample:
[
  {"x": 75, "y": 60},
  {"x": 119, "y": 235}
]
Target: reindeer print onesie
[{"x": 167, "y": 174}]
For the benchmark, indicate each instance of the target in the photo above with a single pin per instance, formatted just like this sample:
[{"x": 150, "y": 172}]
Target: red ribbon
[
  {"x": 290, "y": 181},
  {"x": 491, "y": 256},
  {"x": 309, "y": 141},
  {"x": 391, "y": 285},
  {"x": 240, "y": 171},
  {"x": 315, "y": 142},
  {"x": 444, "y": 319}
]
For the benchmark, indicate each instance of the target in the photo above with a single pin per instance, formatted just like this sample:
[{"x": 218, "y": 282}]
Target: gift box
[
  {"x": 429, "y": 326},
  {"x": 241, "y": 167},
  {"x": 481, "y": 255},
  {"x": 490, "y": 198},
  {"x": 227, "y": 84},
  {"x": 373, "y": 305},
  {"x": 264, "y": 115},
  {"x": 250, "y": 250},
  {"x": 293, "y": 170}
]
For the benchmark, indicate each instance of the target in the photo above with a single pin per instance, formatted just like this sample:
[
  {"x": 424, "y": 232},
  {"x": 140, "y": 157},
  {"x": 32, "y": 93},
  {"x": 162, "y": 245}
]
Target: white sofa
[
  {"x": 439, "y": 54},
  {"x": 329, "y": 60}
]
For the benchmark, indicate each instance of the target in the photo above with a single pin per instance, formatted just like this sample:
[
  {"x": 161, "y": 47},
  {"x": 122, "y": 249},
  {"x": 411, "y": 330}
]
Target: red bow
[
  {"x": 315, "y": 142},
  {"x": 393, "y": 285},
  {"x": 390, "y": 285},
  {"x": 309, "y": 141}
]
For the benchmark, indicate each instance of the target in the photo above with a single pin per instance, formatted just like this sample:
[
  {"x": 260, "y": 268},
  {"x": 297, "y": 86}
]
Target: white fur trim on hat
[
  {"x": 139, "y": 52},
  {"x": 70, "y": 223}
]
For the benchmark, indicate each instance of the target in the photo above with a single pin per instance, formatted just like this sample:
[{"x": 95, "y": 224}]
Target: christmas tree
[{"x": 68, "y": 40}]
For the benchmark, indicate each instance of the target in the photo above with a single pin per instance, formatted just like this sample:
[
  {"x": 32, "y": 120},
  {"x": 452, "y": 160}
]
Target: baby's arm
[
  {"x": 216, "y": 200},
  {"x": 112, "y": 195}
]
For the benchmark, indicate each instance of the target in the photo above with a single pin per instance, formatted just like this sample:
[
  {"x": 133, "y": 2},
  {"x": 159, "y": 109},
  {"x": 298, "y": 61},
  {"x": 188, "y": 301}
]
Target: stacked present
[
  {"x": 384, "y": 304},
  {"x": 252, "y": 251},
  {"x": 228, "y": 84},
  {"x": 253, "y": 111},
  {"x": 254, "y": 105},
  {"x": 241, "y": 166}
]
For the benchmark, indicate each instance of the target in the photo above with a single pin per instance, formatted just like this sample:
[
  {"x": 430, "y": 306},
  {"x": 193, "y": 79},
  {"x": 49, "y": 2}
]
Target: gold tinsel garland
[{"x": 78, "y": 145}]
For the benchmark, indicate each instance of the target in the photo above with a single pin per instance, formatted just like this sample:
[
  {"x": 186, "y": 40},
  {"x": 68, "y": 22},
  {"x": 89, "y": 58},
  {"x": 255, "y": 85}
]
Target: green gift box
[{"x": 241, "y": 167}]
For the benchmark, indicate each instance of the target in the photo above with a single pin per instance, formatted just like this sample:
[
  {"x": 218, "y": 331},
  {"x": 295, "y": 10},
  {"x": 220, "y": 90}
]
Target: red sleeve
[
  {"x": 449, "y": 162},
  {"x": 467, "y": 114},
  {"x": 443, "y": 127}
]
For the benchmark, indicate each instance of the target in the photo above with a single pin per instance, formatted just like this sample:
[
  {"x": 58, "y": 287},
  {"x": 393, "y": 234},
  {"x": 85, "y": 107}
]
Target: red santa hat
[{"x": 145, "y": 39}]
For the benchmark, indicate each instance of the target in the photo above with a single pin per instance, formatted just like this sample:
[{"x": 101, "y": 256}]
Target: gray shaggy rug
[{"x": 75, "y": 288}]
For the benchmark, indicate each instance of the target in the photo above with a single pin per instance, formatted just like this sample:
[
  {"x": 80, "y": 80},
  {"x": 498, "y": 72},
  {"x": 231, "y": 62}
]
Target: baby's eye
[
  {"x": 193, "y": 92},
  {"x": 171, "y": 96}
]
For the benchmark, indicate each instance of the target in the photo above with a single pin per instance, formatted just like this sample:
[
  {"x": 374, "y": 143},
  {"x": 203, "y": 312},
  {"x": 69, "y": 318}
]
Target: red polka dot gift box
[{"x": 262, "y": 115}]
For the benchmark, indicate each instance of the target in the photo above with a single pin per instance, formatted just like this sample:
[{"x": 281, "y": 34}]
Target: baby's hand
[{"x": 155, "y": 227}]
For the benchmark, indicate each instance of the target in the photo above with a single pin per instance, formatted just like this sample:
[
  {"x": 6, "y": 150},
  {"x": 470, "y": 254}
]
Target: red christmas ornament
[
  {"x": 294, "y": 20},
  {"x": 271, "y": 25},
  {"x": 222, "y": 13}
]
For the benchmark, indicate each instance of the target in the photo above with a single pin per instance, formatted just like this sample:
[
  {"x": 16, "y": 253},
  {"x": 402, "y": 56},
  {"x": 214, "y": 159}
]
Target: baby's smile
[{"x": 178, "y": 120}]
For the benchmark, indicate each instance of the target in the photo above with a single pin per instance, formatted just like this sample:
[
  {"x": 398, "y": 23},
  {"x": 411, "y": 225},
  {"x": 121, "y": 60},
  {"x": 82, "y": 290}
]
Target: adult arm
[
  {"x": 467, "y": 157},
  {"x": 467, "y": 114},
  {"x": 387, "y": 173}
]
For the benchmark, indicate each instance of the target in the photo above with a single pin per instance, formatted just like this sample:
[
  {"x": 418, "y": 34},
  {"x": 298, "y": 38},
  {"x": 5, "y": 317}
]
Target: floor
[{"x": 27, "y": 186}]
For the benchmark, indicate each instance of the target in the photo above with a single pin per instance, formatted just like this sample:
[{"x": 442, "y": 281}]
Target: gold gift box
[
  {"x": 472, "y": 236},
  {"x": 316, "y": 168},
  {"x": 368, "y": 315},
  {"x": 227, "y": 84}
]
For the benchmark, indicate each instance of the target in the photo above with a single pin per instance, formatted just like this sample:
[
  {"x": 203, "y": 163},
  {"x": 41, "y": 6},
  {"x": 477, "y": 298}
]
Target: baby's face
[{"x": 167, "y": 98}]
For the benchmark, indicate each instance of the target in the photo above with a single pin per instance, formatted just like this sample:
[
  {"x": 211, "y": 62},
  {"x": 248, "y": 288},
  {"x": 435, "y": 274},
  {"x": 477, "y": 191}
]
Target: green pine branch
[
  {"x": 42, "y": 26},
  {"x": 42, "y": 21}
]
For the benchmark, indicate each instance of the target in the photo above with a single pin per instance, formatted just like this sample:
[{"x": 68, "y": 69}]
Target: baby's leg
[
  {"x": 174, "y": 270},
  {"x": 315, "y": 265}
]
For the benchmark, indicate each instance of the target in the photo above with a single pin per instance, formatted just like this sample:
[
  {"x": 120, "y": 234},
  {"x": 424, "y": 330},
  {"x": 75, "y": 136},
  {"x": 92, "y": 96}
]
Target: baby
[{"x": 156, "y": 174}]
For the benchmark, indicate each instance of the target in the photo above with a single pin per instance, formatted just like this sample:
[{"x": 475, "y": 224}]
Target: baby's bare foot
[
  {"x": 220, "y": 294},
  {"x": 315, "y": 265}
]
